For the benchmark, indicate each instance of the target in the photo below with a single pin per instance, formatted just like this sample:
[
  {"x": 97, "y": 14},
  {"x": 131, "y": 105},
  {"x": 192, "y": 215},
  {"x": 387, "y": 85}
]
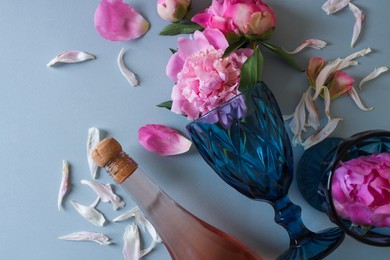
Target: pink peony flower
[
  {"x": 118, "y": 21},
  {"x": 240, "y": 17},
  {"x": 361, "y": 190},
  {"x": 204, "y": 79},
  {"x": 163, "y": 140},
  {"x": 172, "y": 10}
]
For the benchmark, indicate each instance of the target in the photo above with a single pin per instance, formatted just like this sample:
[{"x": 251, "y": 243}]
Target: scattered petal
[
  {"x": 163, "y": 140},
  {"x": 129, "y": 75},
  {"x": 327, "y": 103},
  {"x": 297, "y": 123},
  {"x": 323, "y": 76},
  {"x": 126, "y": 215},
  {"x": 105, "y": 193},
  {"x": 64, "y": 184},
  {"x": 131, "y": 245},
  {"x": 93, "y": 139},
  {"x": 322, "y": 134},
  {"x": 313, "y": 117},
  {"x": 349, "y": 60},
  {"x": 312, "y": 43},
  {"x": 88, "y": 236},
  {"x": 333, "y": 6},
  {"x": 71, "y": 57},
  {"x": 355, "y": 96},
  {"x": 373, "y": 75},
  {"x": 359, "y": 17},
  {"x": 90, "y": 213}
]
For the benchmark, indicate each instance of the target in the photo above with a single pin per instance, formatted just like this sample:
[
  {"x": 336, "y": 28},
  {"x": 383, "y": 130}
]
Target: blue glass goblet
[
  {"x": 315, "y": 175},
  {"x": 245, "y": 142}
]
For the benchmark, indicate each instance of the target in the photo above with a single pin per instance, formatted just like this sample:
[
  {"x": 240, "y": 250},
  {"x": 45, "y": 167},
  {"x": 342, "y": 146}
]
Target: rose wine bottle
[{"x": 185, "y": 235}]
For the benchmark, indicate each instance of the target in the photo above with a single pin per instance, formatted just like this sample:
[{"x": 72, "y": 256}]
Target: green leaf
[
  {"x": 166, "y": 104},
  {"x": 252, "y": 69},
  {"x": 235, "y": 46},
  {"x": 180, "y": 28},
  {"x": 282, "y": 54}
]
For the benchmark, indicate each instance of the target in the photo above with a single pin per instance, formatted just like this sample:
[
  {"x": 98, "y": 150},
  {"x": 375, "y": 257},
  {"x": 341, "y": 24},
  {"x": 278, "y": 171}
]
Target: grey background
[{"x": 46, "y": 112}]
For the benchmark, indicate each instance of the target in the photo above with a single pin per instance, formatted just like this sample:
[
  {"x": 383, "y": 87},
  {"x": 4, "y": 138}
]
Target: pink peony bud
[
  {"x": 172, "y": 10},
  {"x": 118, "y": 21},
  {"x": 340, "y": 84}
]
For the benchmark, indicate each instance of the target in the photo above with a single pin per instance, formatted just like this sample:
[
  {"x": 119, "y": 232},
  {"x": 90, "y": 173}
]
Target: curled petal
[
  {"x": 324, "y": 75},
  {"x": 129, "y": 75},
  {"x": 312, "y": 43},
  {"x": 327, "y": 103},
  {"x": 105, "y": 193},
  {"x": 92, "y": 140},
  {"x": 163, "y": 140},
  {"x": 349, "y": 60},
  {"x": 355, "y": 96},
  {"x": 313, "y": 117},
  {"x": 118, "y": 21},
  {"x": 322, "y": 134},
  {"x": 373, "y": 75},
  {"x": 297, "y": 123},
  {"x": 90, "y": 213},
  {"x": 339, "y": 84},
  {"x": 71, "y": 57},
  {"x": 359, "y": 17},
  {"x": 64, "y": 183},
  {"x": 131, "y": 243},
  {"x": 88, "y": 236},
  {"x": 333, "y": 6}
]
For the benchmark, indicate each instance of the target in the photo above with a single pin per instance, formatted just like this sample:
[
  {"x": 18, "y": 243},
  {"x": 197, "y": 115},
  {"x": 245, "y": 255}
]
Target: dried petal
[
  {"x": 349, "y": 60},
  {"x": 312, "y": 43},
  {"x": 71, "y": 57},
  {"x": 322, "y": 134},
  {"x": 373, "y": 75},
  {"x": 93, "y": 139},
  {"x": 88, "y": 236},
  {"x": 129, "y": 75},
  {"x": 90, "y": 213},
  {"x": 64, "y": 184},
  {"x": 126, "y": 215},
  {"x": 359, "y": 17},
  {"x": 131, "y": 245},
  {"x": 324, "y": 75},
  {"x": 355, "y": 96},
  {"x": 163, "y": 140},
  {"x": 333, "y": 6},
  {"x": 105, "y": 193},
  {"x": 313, "y": 117},
  {"x": 327, "y": 103},
  {"x": 297, "y": 123}
]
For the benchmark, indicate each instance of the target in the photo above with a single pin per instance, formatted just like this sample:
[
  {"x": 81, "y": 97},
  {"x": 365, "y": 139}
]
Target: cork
[{"x": 108, "y": 153}]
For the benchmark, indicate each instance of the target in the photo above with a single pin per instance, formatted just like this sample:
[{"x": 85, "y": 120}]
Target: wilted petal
[
  {"x": 312, "y": 43},
  {"x": 355, "y": 96},
  {"x": 118, "y": 21},
  {"x": 88, "y": 236},
  {"x": 131, "y": 243},
  {"x": 327, "y": 103},
  {"x": 163, "y": 140},
  {"x": 313, "y": 117},
  {"x": 359, "y": 17},
  {"x": 349, "y": 60},
  {"x": 90, "y": 213},
  {"x": 333, "y": 6},
  {"x": 64, "y": 183},
  {"x": 340, "y": 84},
  {"x": 105, "y": 193},
  {"x": 129, "y": 75},
  {"x": 373, "y": 75},
  {"x": 322, "y": 134},
  {"x": 324, "y": 75},
  {"x": 71, "y": 57},
  {"x": 93, "y": 139},
  {"x": 297, "y": 123}
]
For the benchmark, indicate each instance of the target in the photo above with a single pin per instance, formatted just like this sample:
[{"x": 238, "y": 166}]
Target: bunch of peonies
[{"x": 361, "y": 190}]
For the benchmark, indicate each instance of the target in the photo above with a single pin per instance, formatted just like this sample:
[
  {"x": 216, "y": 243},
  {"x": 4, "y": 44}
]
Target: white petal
[
  {"x": 129, "y": 75},
  {"x": 333, "y": 6},
  {"x": 92, "y": 140},
  {"x": 312, "y": 43},
  {"x": 355, "y": 96},
  {"x": 373, "y": 75},
  {"x": 349, "y": 60},
  {"x": 126, "y": 215},
  {"x": 327, "y": 103},
  {"x": 71, "y": 57},
  {"x": 88, "y": 236},
  {"x": 105, "y": 193},
  {"x": 64, "y": 183},
  {"x": 131, "y": 243},
  {"x": 359, "y": 17},
  {"x": 297, "y": 124},
  {"x": 287, "y": 117},
  {"x": 322, "y": 134},
  {"x": 313, "y": 117},
  {"x": 89, "y": 213},
  {"x": 323, "y": 76},
  {"x": 149, "y": 227}
]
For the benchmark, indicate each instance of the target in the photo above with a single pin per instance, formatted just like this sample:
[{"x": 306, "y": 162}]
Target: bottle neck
[{"x": 121, "y": 167}]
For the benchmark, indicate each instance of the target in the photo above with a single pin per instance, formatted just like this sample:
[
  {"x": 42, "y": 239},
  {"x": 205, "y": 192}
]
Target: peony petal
[
  {"x": 105, "y": 193},
  {"x": 322, "y": 134},
  {"x": 90, "y": 213},
  {"x": 297, "y": 123},
  {"x": 324, "y": 75},
  {"x": 313, "y": 117},
  {"x": 64, "y": 183},
  {"x": 163, "y": 140},
  {"x": 355, "y": 96},
  {"x": 92, "y": 140},
  {"x": 312, "y": 43},
  {"x": 359, "y": 17},
  {"x": 88, "y": 236},
  {"x": 118, "y": 21},
  {"x": 327, "y": 103},
  {"x": 333, "y": 6},
  {"x": 373, "y": 75},
  {"x": 71, "y": 57},
  {"x": 129, "y": 75},
  {"x": 131, "y": 243}
]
